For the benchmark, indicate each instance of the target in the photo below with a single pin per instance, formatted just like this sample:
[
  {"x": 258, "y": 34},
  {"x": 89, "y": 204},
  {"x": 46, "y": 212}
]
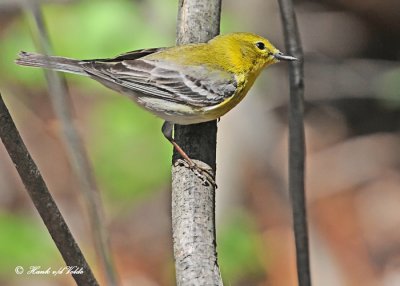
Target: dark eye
[{"x": 260, "y": 45}]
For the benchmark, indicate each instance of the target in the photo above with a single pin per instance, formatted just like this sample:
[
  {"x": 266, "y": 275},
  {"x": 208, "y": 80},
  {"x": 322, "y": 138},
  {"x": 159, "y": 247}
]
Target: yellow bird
[{"x": 185, "y": 84}]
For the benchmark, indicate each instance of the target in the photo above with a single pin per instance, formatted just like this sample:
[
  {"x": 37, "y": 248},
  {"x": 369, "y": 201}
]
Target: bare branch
[
  {"x": 193, "y": 201},
  {"x": 296, "y": 141},
  {"x": 76, "y": 151},
  {"x": 42, "y": 198}
]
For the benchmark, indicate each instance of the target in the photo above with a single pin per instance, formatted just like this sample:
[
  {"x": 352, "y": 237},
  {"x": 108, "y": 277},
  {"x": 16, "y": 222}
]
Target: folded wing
[{"x": 196, "y": 86}]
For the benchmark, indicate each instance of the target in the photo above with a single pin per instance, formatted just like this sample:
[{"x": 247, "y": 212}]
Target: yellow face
[
  {"x": 246, "y": 52},
  {"x": 253, "y": 48},
  {"x": 265, "y": 50},
  {"x": 251, "y": 45}
]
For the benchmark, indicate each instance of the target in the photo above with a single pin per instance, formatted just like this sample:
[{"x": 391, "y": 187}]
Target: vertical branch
[
  {"x": 296, "y": 141},
  {"x": 42, "y": 198},
  {"x": 76, "y": 151},
  {"x": 193, "y": 202}
]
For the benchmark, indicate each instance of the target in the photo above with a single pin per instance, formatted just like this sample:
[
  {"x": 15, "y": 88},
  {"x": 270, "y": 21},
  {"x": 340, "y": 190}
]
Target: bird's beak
[{"x": 281, "y": 57}]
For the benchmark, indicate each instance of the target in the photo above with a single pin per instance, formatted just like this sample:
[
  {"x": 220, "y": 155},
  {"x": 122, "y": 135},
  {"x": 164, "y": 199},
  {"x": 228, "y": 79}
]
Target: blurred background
[{"x": 352, "y": 114}]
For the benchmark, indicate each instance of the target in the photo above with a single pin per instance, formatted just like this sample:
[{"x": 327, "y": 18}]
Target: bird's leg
[
  {"x": 167, "y": 132},
  {"x": 167, "y": 129}
]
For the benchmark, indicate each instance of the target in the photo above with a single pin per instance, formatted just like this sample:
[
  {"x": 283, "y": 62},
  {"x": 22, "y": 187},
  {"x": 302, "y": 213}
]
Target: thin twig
[
  {"x": 76, "y": 151},
  {"x": 193, "y": 200},
  {"x": 296, "y": 141},
  {"x": 42, "y": 199}
]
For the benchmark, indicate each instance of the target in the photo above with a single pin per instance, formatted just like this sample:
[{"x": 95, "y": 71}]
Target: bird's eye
[{"x": 260, "y": 45}]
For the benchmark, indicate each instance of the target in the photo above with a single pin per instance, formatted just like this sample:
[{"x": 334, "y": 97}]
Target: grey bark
[
  {"x": 193, "y": 199},
  {"x": 42, "y": 199},
  {"x": 296, "y": 141}
]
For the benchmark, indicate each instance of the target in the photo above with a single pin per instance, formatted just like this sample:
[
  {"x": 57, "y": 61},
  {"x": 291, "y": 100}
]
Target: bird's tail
[{"x": 50, "y": 62}]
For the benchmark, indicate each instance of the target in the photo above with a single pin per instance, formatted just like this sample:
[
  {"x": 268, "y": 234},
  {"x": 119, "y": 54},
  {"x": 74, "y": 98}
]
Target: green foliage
[
  {"x": 388, "y": 87},
  {"x": 130, "y": 154},
  {"x": 80, "y": 31},
  {"x": 111, "y": 28},
  {"x": 24, "y": 243},
  {"x": 15, "y": 39},
  {"x": 240, "y": 249}
]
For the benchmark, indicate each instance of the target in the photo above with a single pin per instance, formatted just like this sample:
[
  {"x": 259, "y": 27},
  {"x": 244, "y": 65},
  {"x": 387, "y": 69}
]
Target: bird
[{"x": 185, "y": 84}]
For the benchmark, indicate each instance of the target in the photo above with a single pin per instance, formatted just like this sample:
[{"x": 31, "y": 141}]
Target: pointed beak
[{"x": 281, "y": 57}]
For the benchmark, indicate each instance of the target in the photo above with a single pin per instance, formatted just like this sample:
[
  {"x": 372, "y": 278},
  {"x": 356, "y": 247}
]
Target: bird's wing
[
  {"x": 133, "y": 55},
  {"x": 197, "y": 86}
]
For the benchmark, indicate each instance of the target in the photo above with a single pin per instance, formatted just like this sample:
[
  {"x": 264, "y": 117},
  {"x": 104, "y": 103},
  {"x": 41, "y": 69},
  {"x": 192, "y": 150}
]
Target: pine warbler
[{"x": 185, "y": 84}]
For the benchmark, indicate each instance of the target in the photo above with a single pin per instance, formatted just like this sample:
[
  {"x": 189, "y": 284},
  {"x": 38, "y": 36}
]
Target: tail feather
[{"x": 50, "y": 62}]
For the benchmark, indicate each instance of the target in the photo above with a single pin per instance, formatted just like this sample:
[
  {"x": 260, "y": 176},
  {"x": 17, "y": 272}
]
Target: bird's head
[{"x": 250, "y": 50}]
